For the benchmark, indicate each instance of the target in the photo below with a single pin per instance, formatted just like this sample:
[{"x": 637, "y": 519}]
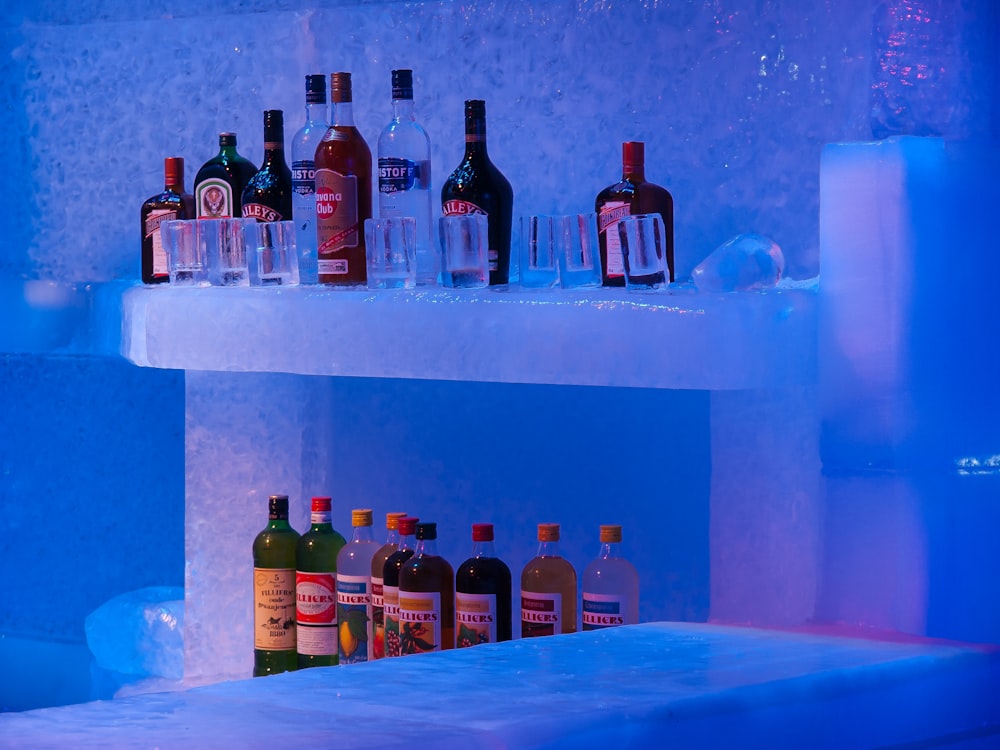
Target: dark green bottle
[
  {"x": 316, "y": 589},
  {"x": 274, "y": 592},
  {"x": 219, "y": 184}
]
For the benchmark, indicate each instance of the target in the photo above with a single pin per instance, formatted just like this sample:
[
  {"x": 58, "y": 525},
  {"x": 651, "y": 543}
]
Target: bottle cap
[
  {"x": 482, "y": 532},
  {"x": 340, "y": 87},
  {"x": 321, "y": 504},
  {"x": 277, "y": 506},
  {"x": 633, "y": 153},
  {"x": 227, "y": 139},
  {"x": 361, "y": 517},
  {"x": 548, "y": 532},
  {"x": 611, "y": 533},
  {"x": 475, "y": 119},
  {"x": 427, "y": 531},
  {"x": 402, "y": 84},
  {"x": 408, "y": 525},
  {"x": 173, "y": 170},
  {"x": 392, "y": 520},
  {"x": 316, "y": 89}
]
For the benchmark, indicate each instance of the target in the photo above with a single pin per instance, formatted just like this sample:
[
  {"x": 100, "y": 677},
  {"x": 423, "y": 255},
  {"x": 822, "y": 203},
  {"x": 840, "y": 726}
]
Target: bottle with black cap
[
  {"x": 304, "y": 144},
  {"x": 268, "y": 194},
  {"x": 426, "y": 597},
  {"x": 218, "y": 186},
  {"x": 274, "y": 592}
]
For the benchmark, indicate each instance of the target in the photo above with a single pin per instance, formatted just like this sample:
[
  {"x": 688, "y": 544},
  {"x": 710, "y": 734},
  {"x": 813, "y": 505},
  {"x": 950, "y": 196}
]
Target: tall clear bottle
[
  {"x": 404, "y": 173},
  {"x": 390, "y": 582},
  {"x": 218, "y": 186},
  {"x": 304, "y": 144},
  {"x": 478, "y": 187},
  {"x": 316, "y": 588},
  {"x": 343, "y": 192},
  {"x": 378, "y": 564},
  {"x": 354, "y": 590},
  {"x": 482, "y": 593},
  {"x": 268, "y": 194},
  {"x": 426, "y": 597},
  {"x": 610, "y": 585},
  {"x": 274, "y": 592},
  {"x": 548, "y": 589}
]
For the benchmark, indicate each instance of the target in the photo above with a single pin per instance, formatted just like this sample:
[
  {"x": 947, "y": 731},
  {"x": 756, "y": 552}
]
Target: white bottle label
[
  {"x": 390, "y": 611},
  {"x": 419, "y": 621},
  {"x": 602, "y": 611},
  {"x": 541, "y": 614},
  {"x": 354, "y": 615},
  {"x": 214, "y": 197},
  {"x": 475, "y": 619},
  {"x": 274, "y": 609},
  {"x": 152, "y": 229},
  {"x": 607, "y": 224}
]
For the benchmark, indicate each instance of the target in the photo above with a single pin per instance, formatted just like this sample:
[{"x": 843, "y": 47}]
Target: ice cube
[{"x": 747, "y": 261}]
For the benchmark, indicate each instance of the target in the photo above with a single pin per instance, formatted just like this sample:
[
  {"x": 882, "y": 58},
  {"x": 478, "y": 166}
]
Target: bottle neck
[
  {"x": 406, "y": 542},
  {"x": 402, "y": 109},
  {"x": 315, "y": 113},
  {"x": 172, "y": 185},
  {"x": 608, "y": 550},
  {"x": 392, "y": 537},
  {"x": 483, "y": 549},
  {"x": 425, "y": 548},
  {"x": 362, "y": 534},
  {"x": 475, "y": 137},
  {"x": 343, "y": 114},
  {"x": 634, "y": 172},
  {"x": 278, "y": 523},
  {"x": 548, "y": 549},
  {"x": 320, "y": 519}
]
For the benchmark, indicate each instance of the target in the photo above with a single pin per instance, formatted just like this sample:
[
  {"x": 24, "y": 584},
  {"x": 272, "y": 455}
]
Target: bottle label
[
  {"x": 152, "y": 230},
  {"x": 260, "y": 212},
  {"x": 541, "y": 614},
  {"x": 475, "y": 619},
  {"x": 274, "y": 609},
  {"x": 378, "y": 619},
  {"x": 354, "y": 611},
  {"x": 214, "y": 197},
  {"x": 602, "y": 611},
  {"x": 336, "y": 218},
  {"x": 304, "y": 177},
  {"x": 419, "y": 621},
  {"x": 316, "y": 613},
  {"x": 390, "y": 611},
  {"x": 607, "y": 224},
  {"x": 397, "y": 175}
]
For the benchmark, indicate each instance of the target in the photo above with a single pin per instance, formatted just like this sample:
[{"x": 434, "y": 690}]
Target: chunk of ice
[{"x": 745, "y": 262}]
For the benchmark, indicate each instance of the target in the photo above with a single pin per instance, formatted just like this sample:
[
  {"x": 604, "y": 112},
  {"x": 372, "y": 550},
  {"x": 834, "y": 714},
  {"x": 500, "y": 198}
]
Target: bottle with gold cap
[
  {"x": 378, "y": 565},
  {"x": 390, "y": 583},
  {"x": 548, "y": 589},
  {"x": 610, "y": 585},
  {"x": 354, "y": 591}
]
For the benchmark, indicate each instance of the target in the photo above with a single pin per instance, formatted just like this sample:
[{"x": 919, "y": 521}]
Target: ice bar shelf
[
  {"x": 651, "y": 685},
  {"x": 598, "y": 337}
]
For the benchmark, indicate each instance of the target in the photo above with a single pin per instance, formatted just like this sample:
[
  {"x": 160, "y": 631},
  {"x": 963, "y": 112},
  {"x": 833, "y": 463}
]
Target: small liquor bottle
[
  {"x": 378, "y": 565},
  {"x": 478, "y": 187},
  {"x": 268, "y": 194},
  {"x": 218, "y": 186},
  {"x": 548, "y": 589},
  {"x": 390, "y": 583},
  {"x": 610, "y": 585},
  {"x": 343, "y": 193},
  {"x": 631, "y": 196},
  {"x": 354, "y": 591},
  {"x": 426, "y": 597},
  {"x": 304, "y": 144},
  {"x": 316, "y": 589},
  {"x": 274, "y": 592},
  {"x": 172, "y": 203},
  {"x": 482, "y": 593}
]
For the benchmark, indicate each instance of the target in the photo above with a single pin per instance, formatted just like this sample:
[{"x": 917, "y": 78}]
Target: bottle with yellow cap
[
  {"x": 548, "y": 589},
  {"x": 378, "y": 565},
  {"x": 354, "y": 591},
  {"x": 610, "y": 585}
]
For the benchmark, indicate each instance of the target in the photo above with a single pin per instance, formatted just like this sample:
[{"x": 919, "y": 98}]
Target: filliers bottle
[
  {"x": 610, "y": 585},
  {"x": 316, "y": 589},
  {"x": 548, "y": 589},
  {"x": 268, "y": 194},
  {"x": 378, "y": 566},
  {"x": 390, "y": 583},
  {"x": 354, "y": 591},
  {"x": 218, "y": 186},
  {"x": 482, "y": 593},
  {"x": 274, "y": 592},
  {"x": 426, "y": 597}
]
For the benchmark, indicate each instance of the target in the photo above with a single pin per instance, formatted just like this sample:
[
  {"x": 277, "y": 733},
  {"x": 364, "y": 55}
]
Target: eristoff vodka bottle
[{"x": 304, "y": 178}]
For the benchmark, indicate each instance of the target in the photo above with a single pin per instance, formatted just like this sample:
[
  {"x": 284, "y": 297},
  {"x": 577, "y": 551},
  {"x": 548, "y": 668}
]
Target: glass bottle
[
  {"x": 426, "y": 597},
  {"x": 478, "y": 187},
  {"x": 268, "y": 194},
  {"x": 404, "y": 173},
  {"x": 274, "y": 592},
  {"x": 304, "y": 144},
  {"x": 354, "y": 591},
  {"x": 390, "y": 582},
  {"x": 548, "y": 589},
  {"x": 218, "y": 186},
  {"x": 343, "y": 193},
  {"x": 172, "y": 203},
  {"x": 378, "y": 565},
  {"x": 316, "y": 589},
  {"x": 610, "y": 585},
  {"x": 632, "y": 195},
  {"x": 482, "y": 593}
]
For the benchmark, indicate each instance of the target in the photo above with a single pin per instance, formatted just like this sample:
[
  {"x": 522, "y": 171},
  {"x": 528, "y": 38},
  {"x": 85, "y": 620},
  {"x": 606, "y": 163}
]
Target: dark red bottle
[
  {"x": 172, "y": 203},
  {"x": 482, "y": 593}
]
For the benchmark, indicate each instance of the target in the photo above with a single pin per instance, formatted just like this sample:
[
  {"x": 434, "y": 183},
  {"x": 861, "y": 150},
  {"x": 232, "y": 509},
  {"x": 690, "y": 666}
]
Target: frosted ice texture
[
  {"x": 655, "y": 685},
  {"x": 140, "y": 632},
  {"x": 745, "y": 262}
]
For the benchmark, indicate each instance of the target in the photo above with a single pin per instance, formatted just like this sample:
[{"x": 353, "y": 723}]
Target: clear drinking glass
[
  {"x": 275, "y": 253},
  {"x": 465, "y": 251},
  {"x": 224, "y": 246},
  {"x": 537, "y": 261},
  {"x": 644, "y": 252},
  {"x": 185, "y": 259},
  {"x": 391, "y": 247},
  {"x": 576, "y": 250}
]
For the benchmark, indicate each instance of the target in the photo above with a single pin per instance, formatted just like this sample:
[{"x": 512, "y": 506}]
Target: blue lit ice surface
[{"x": 654, "y": 685}]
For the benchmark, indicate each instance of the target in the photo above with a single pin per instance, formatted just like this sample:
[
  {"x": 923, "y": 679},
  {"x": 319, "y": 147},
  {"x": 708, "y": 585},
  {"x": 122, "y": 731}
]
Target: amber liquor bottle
[
  {"x": 343, "y": 164},
  {"x": 478, "y": 187},
  {"x": 632, "y": 195},
  {"x": 390, "y": 583},
  {"x": 548, "y": 589},
  {"x": 218, "y": 186},
  {"x": 172, "y": 203},
  {"x": 274, "y": 592},
  {"x": 482, "y": 593},
  {"x": 268, "y": 194},
  {"x": 383, "y": 553},
  {"x": 426, "y": 597}
]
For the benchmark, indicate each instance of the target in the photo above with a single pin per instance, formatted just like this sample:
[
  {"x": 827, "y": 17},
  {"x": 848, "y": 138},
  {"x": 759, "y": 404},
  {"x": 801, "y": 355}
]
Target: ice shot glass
[
  {"x": 225, "y": 250},
  {"x": 576, "y": 250},
  {"x": 275, "y": 256},
  {"x": 536, "y": 257},
  {"x": 185, "y": 258},
  {"x": 391, "y": 249},
  {"x": 644, "y": 252},
  {"x": 465, "y": 260}
]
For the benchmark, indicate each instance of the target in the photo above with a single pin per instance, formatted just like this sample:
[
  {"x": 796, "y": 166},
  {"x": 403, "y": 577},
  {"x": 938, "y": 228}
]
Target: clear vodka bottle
[
  {"x": 610, "y": 585},
  {"x": 303, "y": 176}
]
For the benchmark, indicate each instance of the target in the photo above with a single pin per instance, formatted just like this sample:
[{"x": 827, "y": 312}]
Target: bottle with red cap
[
  {"x": 378, "y": 580},
  {"x": 172, "y": 203},
  {"x": 482, "y": 593},
  {"x": 630, "y": 196},
  {"x": 390, "y": 583},
  {"x": 316, "y": 588},
  {"x": 426, "y": 597}
]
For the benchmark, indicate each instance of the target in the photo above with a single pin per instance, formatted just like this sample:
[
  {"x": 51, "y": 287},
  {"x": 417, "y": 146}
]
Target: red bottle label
[{"x": 460, "y": 208}]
